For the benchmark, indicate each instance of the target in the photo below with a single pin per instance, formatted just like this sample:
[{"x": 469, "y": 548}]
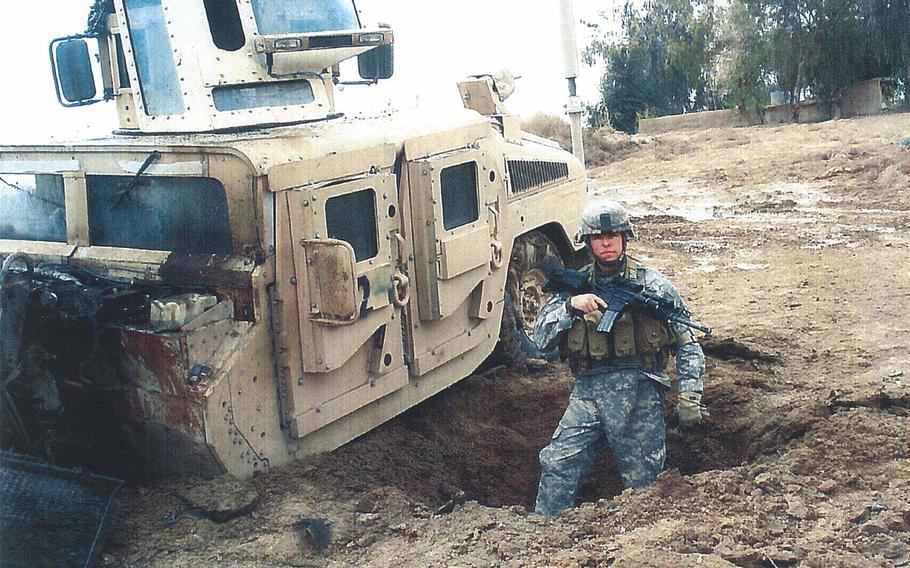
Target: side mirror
[
  {"x": 74, "y": 78},
  {"x": 378, "y": 63}
]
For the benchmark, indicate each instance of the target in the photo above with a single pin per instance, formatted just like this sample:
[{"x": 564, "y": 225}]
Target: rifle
[{"x": 620, "y": 293}]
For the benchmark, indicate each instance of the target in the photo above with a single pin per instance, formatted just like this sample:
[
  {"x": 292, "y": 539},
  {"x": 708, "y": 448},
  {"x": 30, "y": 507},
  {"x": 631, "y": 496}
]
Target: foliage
[
  {"x": 550, "y": 127},
  {"x": 820, "y": 46},
  {"x": 743, "y": 66},
  {"x": 602, "y": 145},
  {"x": 662, "y": 66},
  {"x": 686, "y": 55}
]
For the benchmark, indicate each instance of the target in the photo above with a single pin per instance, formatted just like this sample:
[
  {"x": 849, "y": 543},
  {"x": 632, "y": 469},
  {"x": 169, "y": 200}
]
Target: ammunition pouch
[
  {"x": 651, "y": 336},
  {"x": 577, "y": 337},
  {"x": 598, "y": 343},
  {"x": 632, "y": 334}
]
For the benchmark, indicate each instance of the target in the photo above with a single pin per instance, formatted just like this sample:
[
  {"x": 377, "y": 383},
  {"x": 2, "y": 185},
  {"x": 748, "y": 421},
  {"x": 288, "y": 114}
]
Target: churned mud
[{"x": 792, "y": 243}]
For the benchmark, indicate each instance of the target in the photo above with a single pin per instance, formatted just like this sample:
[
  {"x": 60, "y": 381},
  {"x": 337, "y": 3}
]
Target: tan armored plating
[{"x": 367, "y": 259}]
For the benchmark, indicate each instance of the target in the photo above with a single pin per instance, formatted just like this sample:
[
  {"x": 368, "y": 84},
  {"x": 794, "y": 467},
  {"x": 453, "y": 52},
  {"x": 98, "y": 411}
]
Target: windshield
[
  {"x": 179, "y": 214},
  {"x": 274, "y": 17},
  {"x": 32, "y": 207}
]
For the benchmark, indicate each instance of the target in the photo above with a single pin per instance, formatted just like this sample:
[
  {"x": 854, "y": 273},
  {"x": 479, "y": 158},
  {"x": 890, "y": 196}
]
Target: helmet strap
[{"x": 611, "y": 267}]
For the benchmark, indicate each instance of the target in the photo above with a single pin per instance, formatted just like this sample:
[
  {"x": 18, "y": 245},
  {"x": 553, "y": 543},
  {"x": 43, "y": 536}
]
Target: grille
[
  {"x": 529, "y": 174},
  {"x": 50, "y": 516}
]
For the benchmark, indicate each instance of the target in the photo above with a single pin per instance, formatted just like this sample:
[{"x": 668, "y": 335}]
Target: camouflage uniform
[{"x": 616, "y": 401}]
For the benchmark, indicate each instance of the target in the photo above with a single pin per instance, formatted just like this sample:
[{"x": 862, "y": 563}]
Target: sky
[{"x": 437, "y": 44}]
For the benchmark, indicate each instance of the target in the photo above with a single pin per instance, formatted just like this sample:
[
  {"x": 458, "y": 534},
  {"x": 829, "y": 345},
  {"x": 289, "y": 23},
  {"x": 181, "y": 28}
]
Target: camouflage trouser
[{"x": 621, "y": 408}]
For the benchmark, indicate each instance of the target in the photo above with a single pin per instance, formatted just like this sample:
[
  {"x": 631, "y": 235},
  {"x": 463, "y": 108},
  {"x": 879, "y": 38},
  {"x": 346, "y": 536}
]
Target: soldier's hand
[
  {"x": 690, "y": 410},
  {"x": 587, "y": 303}
]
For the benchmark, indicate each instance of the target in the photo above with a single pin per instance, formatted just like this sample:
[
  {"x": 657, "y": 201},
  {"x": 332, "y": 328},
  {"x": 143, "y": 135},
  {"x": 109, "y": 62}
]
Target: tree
[
  {"x": 743, "y": 68},
  {"x": 662, "y": 64},
  {"x": 821, "y": 46},
  {"x": 685, "y": 55},
  {"x": 624, "y": 88},
  {"x": 884, "y": 30}
]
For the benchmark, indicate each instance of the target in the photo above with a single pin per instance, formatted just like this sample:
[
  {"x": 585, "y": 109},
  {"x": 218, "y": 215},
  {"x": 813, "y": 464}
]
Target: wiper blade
[{"x": 126, "y": 188}]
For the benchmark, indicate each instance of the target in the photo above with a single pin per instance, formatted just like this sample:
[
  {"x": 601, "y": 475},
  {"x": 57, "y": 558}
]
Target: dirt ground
[{"x": 792, "y": 242}]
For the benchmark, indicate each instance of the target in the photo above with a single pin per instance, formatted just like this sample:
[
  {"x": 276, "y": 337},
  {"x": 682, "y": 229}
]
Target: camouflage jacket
[{"x": 555, "y": 319}]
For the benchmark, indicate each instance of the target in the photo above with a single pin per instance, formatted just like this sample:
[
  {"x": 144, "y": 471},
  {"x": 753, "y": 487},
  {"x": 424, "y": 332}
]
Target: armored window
[
  {"x": 180, "y": 214},
  {"x": 32, "y": 207},
  {"x": 459, "y": 195},
  {"x": 352, "y": 218},
  {"x": 275, "y": 17},
  {"x": 225, "y": 24},
  {"x": 236, "y": 97},
  {"x": 154, "y": 56}
]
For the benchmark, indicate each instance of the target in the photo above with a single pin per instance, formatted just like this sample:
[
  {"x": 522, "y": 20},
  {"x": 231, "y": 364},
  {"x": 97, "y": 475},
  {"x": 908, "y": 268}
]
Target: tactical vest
[{"x": 632, "y": 334}]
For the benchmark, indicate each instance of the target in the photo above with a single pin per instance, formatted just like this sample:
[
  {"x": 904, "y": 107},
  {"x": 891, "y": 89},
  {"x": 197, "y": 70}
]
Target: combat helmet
[{"x": 604, "y": 216}]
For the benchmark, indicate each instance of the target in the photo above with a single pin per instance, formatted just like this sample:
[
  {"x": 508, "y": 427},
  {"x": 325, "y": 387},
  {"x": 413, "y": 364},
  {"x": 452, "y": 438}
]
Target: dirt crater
[{"x": 482, "y": 437}]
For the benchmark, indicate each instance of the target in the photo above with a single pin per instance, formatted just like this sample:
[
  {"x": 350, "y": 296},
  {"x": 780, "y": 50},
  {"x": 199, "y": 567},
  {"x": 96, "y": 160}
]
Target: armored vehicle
[{"x": 241, "y": 275}]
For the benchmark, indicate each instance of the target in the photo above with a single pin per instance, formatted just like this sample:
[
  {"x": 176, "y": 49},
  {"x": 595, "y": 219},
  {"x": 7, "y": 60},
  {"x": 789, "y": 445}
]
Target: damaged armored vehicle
[{"x": 242, "y": 274}]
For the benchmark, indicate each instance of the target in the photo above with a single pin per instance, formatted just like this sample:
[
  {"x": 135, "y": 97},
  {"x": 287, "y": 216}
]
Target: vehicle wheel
[{"x": 524, "y": 297}]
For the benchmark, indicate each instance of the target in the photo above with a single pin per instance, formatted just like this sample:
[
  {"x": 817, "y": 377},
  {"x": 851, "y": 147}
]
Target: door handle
[{"x": 401, "y": 293}]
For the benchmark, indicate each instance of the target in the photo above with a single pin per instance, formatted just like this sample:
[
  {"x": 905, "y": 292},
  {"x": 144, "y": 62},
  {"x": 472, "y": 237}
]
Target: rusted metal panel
[
  {"x": 208, "y": 270},
  {"x": 158, "y": 369}
]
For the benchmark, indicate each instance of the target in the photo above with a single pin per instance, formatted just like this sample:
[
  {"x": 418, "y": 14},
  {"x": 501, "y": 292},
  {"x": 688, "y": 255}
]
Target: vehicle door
[
  {"x": 338, "y": 326},
  {"x": 453, "y": 209}
]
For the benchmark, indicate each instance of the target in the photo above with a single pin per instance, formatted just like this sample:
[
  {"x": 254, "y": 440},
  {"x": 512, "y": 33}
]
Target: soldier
[{"x": 620, "y": 381}]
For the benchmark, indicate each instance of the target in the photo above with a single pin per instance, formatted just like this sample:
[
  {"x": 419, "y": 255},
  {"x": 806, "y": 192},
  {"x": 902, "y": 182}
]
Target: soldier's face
[{"x": 607, "y": 246}]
